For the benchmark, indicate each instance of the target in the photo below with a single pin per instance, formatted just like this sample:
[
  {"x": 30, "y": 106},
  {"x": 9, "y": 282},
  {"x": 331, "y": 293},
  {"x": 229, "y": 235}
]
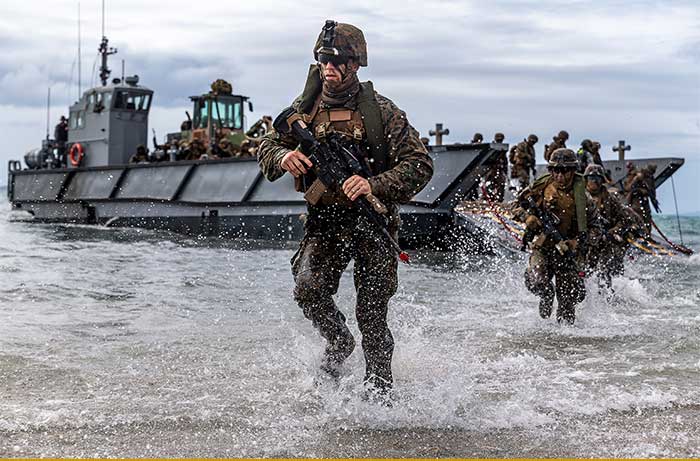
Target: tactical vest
[
  {"x": 362, "y": 125},
  {"x": 579, "y": 197}
]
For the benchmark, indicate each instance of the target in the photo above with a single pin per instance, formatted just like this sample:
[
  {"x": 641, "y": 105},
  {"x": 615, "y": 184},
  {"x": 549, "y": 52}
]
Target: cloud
[{"x": 597, "y": 69}]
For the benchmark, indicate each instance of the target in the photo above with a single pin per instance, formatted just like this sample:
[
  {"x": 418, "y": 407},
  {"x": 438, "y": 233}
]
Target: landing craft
[{"x": 205, "y": 179}]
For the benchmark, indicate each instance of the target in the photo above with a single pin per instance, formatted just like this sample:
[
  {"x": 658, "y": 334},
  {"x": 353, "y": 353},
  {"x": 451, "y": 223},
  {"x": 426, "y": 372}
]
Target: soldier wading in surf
[
  {"x": 336, "y": 104},
  {"x": 562, "y": 221}
]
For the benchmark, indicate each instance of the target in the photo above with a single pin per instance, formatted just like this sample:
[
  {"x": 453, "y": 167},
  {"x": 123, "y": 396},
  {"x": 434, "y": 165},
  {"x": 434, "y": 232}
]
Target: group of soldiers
[
  {"x": 574, "y": 225},
  {"x": 194, "y": 149},
  {"x": 523, "y": 160},
  {"x": 589, "y": 219},
  {"x": 566, "y": 213}
]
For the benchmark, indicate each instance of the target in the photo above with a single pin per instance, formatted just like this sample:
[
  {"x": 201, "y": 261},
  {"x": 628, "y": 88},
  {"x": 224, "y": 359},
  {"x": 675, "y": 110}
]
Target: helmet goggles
[{"x": 326, "y": 55}]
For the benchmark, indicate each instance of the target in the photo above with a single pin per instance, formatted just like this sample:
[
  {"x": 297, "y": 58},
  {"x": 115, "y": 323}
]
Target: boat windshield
[
  {"x": 130, "y": 100},
  {"x": 225, "y": 113}
]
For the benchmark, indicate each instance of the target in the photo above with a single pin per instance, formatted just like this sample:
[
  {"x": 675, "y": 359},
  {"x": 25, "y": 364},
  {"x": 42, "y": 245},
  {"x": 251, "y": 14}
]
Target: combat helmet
[
  {"x": 563, "y": 135},
  {"x": 563, "y": 158},
  {"x": 532, "y": 139},
  {"x": 594, "y": 171},
  {"x": 342, "y": 41}
]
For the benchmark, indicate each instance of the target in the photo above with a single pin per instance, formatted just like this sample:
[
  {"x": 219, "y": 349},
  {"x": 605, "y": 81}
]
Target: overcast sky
[{"x": 605, "y": 70}]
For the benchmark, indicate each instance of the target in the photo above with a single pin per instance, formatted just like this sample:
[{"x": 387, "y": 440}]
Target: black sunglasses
[
  {"x": 335, "y": 59},
  {"x": 558, "y": 169}
]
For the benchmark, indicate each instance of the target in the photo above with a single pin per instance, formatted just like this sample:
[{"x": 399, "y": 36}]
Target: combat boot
[
  {"x": 378, "y": 391},
  {"x": 335, "y": 354},
  {"x": 566, "y": 314}
]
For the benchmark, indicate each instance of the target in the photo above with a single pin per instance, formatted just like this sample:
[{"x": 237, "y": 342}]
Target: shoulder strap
[
  {"x": 372, "y": 117},
  {"x": 580, "y": 200},
  {"x": 541, "y": 181},
  {"x": 312, "y": 90}
]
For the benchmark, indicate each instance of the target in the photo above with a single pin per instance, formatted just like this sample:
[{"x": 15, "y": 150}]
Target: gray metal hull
[{"x": 228, "y": 198}]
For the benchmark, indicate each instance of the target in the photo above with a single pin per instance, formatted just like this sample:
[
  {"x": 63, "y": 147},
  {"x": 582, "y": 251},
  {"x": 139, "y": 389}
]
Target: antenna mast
[
  {"x": 80, "y": 83},
  {"x": 105, "y": 51},
  {"x": 48, "y": 112}
]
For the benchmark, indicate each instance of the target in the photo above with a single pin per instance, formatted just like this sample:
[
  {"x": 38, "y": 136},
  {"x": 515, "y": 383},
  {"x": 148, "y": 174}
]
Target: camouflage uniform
[
  {"x": 495, "y": 177},
  {"x": 642, "y": 189},
  {"x": 607, "y": 258},
  {"x": 522, "y": 157},
  {"x": 335, "y": 232},
  {"x": 141, "y": 155},
  {"x": 585, "y": 155},
  {"x": 558, "y": 142},
  {"x": 546, "y": 262}
]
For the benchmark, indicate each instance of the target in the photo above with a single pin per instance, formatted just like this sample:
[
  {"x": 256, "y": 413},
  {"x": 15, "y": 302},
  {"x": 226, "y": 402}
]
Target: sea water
[{"x": 128, "y": 342}]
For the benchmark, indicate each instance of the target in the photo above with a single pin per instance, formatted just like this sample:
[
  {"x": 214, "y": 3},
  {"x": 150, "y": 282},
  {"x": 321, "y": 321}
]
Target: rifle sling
[{"x": 580, "y": 200}]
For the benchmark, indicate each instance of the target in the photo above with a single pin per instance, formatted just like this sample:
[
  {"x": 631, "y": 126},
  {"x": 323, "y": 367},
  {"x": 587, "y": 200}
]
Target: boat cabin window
[
  {"x": 228, "y": 114},
  {"x": 103, "y": 101},
  {"x": 76, "y": 120},
  {"x": 130, "y": 100}
]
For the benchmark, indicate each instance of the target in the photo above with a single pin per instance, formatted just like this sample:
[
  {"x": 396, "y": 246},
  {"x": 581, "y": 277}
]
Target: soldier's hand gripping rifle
[
  {"x": 549, "y": 228},
  {"x": 334, "y": 164}
]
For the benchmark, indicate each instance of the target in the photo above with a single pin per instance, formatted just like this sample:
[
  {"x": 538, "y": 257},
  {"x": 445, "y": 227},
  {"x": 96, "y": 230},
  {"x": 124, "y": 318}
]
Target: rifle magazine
[{"x": 315, "y": 191}]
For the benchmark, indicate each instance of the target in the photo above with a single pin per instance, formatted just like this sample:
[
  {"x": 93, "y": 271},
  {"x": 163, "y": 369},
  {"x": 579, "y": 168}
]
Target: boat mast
[
  {"x": 105, "y": 50},
  {"x": 80, "y": 83},
  {"x": 48, "y": 112}
]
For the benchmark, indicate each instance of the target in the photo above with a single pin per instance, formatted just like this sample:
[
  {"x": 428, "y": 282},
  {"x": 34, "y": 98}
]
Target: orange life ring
[{"x": 76, "y": 148}]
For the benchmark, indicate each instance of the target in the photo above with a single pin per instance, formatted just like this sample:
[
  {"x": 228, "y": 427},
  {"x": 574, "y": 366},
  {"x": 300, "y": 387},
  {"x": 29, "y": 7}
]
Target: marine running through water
[{"x": 334, "y": 101}]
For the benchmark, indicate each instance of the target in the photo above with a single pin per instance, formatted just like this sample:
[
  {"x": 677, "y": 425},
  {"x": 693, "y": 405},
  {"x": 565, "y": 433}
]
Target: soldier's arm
[
  {"x": 511, "y": 155},
  {"x": 410, "y": 166},
  {"x": 624, "y": 220},
  {"x": 594, "y": 223},
  {"x": 273, "y": 147}
]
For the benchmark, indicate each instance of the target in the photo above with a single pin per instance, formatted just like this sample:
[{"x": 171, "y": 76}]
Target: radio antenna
[
  {"x": 80, "y": 83},
  {"x": 105, "y": 51},
  {"x": 48, "y": 112}
]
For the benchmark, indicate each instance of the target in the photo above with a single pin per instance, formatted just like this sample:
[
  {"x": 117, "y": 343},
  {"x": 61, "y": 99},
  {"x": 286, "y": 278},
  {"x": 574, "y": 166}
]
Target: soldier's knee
[
  {"x": 571, "y": 289},
  {"x": 309, "y": 287},
  {"x": 536, "y": 281},
  {"x": 375, "y": 330}
]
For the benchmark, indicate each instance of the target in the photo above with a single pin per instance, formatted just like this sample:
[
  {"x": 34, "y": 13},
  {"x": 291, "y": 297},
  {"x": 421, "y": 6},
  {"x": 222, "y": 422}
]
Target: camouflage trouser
[
  {"x": 324, "y": 253},
  {"x": 522, "y": 175},
  {"x": 642, "y": 208},
  {"x": 608, "y": 259},
  {"x": 547, "y": 264}
]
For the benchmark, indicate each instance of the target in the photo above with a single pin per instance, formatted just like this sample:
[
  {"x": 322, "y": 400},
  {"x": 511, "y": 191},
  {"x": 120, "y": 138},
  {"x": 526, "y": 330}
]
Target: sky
[{"x": 604, "y": 70}]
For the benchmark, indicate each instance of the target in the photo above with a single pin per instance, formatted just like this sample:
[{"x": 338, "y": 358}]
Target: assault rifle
[
  {"x": 333, "y": 164},
  {"x": 549, "y": 223},
  {"x": 626, "y": 233}
]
